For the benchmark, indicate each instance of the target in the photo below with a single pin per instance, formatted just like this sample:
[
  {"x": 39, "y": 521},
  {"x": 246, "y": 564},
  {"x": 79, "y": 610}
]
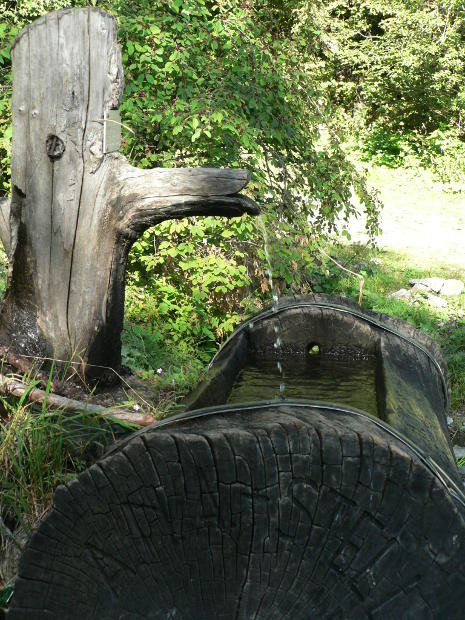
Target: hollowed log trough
[{"x": 281, "y": 509}]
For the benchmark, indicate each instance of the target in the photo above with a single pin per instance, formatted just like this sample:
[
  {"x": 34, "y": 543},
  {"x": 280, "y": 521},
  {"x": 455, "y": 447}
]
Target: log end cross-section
[{"x": 279, "y": 513}]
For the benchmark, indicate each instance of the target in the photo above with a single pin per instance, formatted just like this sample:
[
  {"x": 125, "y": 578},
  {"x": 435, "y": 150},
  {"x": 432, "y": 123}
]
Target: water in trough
[{"x": 311, "y": 377}]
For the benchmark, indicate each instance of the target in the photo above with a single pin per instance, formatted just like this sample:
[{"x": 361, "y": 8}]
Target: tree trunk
[{"x": 76, "y": 210}]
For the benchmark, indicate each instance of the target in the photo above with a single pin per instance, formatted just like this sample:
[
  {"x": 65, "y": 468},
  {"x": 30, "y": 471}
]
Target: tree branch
[
  {"x": 143, "y": 214},
  {"x": 144, "y": 198},
  {"x": 13, "y": 387}
]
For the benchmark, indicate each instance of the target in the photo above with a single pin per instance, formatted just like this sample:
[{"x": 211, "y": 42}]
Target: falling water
[{"x": 275, "y": 305}]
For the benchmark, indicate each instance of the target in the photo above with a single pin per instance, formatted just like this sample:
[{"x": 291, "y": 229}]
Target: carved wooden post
[{"x": 75, "y": 210}]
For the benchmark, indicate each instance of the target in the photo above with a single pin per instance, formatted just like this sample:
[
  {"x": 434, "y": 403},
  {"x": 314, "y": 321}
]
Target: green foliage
[
  {"x": 5, "y": 594},
  {"x": 401, "y": 59},
  {"x": 212, "y": 84},
  {"x": 174, "y": 367},
  {"x": 185, "y": 278},
  {"x": 444, "y": 151},
  {"x": 274, "y": 86},
  {"x": 40, "y": 449},
  {"x": 224, "y": 83},
  {"x": 455, "y": 352},
  {"x": 398, "y": 78}
]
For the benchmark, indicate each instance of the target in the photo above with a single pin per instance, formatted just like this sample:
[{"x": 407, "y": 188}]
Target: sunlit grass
[
  {"x": 40, "y": 449},
  {"x": 384, "y": 273}
]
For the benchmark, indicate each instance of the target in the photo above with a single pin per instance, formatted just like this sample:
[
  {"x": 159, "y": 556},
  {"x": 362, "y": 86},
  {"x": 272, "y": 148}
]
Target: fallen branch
[
  {"x": 13, "y": 387},
  {"x": 27, "y": 364}
]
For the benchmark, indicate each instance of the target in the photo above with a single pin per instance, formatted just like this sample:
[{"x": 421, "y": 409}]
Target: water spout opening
[{"x": 313, "y": 349}]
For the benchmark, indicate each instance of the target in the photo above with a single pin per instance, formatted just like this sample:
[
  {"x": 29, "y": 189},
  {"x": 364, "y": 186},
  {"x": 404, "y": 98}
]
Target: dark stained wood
[
  {"x": 75, "y": 211},
  {"x": 412, "y": 385},
  {"x": 277, "y": 513}
]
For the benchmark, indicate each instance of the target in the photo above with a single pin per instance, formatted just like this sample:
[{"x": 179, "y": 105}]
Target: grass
[
  {"x": 423, "y": 231},
  {"x": 385, "y": 272},
  {"x": 172, "y": 368},
  {"x": 423, "y": 224},
  {"x": 422, "y": 219},
  {"x": 39, "y": 449}
]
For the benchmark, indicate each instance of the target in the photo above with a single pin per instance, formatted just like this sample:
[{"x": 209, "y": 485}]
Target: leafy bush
[
  {"x": 175, "y": 367},
  {"x": 213, "y": 84},
  {"x": 398, "y": 78}
]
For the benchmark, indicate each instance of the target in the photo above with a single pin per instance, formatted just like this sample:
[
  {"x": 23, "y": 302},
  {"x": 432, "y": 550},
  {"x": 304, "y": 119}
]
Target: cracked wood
[
  {"x": 75, "y": 211},
  {"x": 271, "y": 514}
]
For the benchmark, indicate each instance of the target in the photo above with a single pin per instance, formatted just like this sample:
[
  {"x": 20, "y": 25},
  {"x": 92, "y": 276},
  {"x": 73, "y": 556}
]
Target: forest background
[{"x": 306, "y": 94}]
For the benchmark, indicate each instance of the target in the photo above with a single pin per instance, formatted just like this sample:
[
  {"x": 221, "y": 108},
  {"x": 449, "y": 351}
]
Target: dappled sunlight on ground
[{"x": 420, "y": 219}]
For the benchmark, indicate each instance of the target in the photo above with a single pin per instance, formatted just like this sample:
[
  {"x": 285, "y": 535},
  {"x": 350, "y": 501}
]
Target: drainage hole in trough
[{"x": 313, "y": 349}]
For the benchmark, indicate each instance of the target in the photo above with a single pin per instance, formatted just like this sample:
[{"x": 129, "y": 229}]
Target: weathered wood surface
[
  {"x": 5, "y": 223},
  {"x": 271, "y": 514},
  {"x": 412, "y": 385},
  {"x": 76, "y": 211}
]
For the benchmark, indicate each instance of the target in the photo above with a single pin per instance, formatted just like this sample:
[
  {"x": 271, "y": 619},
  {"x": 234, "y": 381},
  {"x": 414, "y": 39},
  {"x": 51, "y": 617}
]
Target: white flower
[
  {"x": 159, "y": 371},
  {"x": 136, "y": 407}
]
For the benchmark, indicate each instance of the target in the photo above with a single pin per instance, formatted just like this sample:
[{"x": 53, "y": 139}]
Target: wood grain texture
[
  {"x": 267, "y": 514},
  {"x": 411, "y": 378},
  {"x": 76, "y": 212},
  {"x": 5, "y": 205}
]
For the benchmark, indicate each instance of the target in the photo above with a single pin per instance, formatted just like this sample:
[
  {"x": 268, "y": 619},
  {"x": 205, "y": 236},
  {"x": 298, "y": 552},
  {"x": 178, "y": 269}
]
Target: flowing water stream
[{"x": 269, "y": 272}]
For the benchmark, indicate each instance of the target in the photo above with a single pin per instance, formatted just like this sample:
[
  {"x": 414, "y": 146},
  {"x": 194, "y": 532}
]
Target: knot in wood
[{"x": 54, "y": 146}]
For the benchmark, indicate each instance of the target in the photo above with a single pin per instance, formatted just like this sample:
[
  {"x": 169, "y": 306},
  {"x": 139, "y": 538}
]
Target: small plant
[
  {"x": 5, "y": 595},
  {"x": 172, "y": 367}
]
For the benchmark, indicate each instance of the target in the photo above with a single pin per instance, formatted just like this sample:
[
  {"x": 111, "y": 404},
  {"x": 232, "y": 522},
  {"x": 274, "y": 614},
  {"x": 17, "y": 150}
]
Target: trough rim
[{"x": 451, "y": 486}]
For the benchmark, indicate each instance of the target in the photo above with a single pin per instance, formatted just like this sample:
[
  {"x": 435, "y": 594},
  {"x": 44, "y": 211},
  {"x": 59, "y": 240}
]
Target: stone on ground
[{"x": 452, "y": 288}]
